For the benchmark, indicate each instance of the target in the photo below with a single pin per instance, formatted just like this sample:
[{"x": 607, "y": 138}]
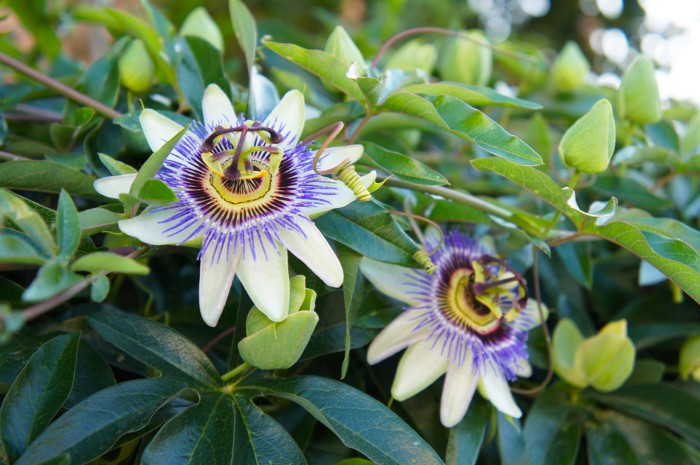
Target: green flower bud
[
  {"x": 607, "y": 359},
  {"x": 414, "y": 55},
  {"x": 467, "y": 61},
  {"x": 199, "y": 24},
  {"x": 588, "y": 144},
  {"x": 690, "y": 359},
  {"x": 565, "y": 341},
  {"x": 269, "y": 345},
  {"x": 136, "y": 70},
  {"x": 341, "y": 46},
  {"x": 638, "y": 97},
  {"x": 570, "y": 68}
]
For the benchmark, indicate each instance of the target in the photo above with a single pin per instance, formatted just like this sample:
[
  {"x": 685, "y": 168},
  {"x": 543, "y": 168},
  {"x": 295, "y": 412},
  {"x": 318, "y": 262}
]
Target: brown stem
[
  {"x": 68, "y": 92},
  {"x": 39, "y": 309},
  {"x": 11, "y": 156},
  {"x": 358, "y": 129},
  {"x": 218, "y": 339}
]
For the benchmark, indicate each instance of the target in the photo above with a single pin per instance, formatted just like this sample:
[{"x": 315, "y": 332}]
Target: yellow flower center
[{"x": 461, "y": 305}]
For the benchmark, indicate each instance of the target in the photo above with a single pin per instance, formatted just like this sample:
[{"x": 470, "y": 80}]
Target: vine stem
[
  {"x": 235, "y": 372},
  {"x": 11, "y": 156},
  {"x": 218, "y": 339},
  {"x": 68, "y": 92},
  {"x": 460, "y": 197}
]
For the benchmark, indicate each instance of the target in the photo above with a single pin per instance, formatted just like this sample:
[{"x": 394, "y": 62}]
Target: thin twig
[
  {"x": 358, "y": 129},
  {"x": 68, "y": 92},
  {"x": 12, "y": 156},
  {"x": 218, "y": 339}
]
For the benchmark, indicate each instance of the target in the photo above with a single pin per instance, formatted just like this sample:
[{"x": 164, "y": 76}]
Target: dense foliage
[{"x": 584, "y": 200}]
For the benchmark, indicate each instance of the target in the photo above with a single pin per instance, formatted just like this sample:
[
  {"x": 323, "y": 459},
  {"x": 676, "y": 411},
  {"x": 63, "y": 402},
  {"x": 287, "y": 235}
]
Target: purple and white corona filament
[
  {"x": 469, "y": 320},
  {"x": 246, "y": 192}
]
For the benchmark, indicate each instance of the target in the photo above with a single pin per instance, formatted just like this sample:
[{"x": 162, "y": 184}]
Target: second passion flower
[
  {"x": 247, "y": 190},
  {"x": 469, "y": 320}
]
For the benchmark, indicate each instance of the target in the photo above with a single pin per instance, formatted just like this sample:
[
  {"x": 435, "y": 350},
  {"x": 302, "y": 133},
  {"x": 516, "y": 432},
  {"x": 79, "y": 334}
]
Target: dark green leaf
[
  {"x": 157, "y": 346},
  {"x": 93, "y": 426},
  {"x": 352, "y": 297},
  {"x": 153, "y": 164},
  {"x": 403, "y": 167},
  {"x": 200, "y": 66},
  {"x": 92, "y": 374},
  {"x": 202, "y": 434},
  {"x": 608, "y": 446},
  {"x": 245, "y": 30},
  {"x": 38, "y": 393},
  {"x": 51, "y": 279},
  {"x": 466, "y": 438},
  {"x": 577, "y": 258},
  {"x": 67, "y": 226},
  {"x": 634, "y": 193},
  {"x": 552, "y": 431},
  {"x": 647, "y": 335},
  {"x": 43, "y": 176},
  {"x": 261, "y": 440},
  {"x": 511, "y": 444},
  {"x": 357, "y": 419},
  {"x": 472, "y": 95},
  {"x": 369, "y": 229},
  {"x": 466, "y": 122}
]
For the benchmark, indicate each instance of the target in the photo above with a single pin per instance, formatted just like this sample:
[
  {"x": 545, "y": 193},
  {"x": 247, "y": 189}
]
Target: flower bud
[
  {"x": 136, "y": 70},
  {"x": 565, "y": 341},
  {"x": 638, "y": 96},
  {"x": 588, "y": 144},
  {"x": 570, "y": 68},
  {"x": 199, "y": 24},
  {"x": 270, "y": 345},
  {"x": 690, "y": 359},
  {"x": 414, "y": 55},
  {"x": 341, "y": 46},
  {"x": 467, "y": 61}
]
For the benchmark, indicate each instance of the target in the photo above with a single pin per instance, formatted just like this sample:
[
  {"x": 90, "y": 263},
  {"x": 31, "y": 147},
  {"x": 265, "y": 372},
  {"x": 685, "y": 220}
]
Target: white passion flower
[
  {"x": 468, "y": 319},
  {"x": 246, "y": 190}
]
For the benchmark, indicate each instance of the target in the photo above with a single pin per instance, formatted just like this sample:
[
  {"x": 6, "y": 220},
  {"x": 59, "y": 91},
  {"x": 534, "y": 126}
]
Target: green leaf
[
  {"x": 466, "y": 122},
  {"x": 552, "y": 431},
  {"x": 92, "y": 374},
  {"x": 107, "y": 262},
  {"x": 16, "y": 209},
  {"x": 156, "y": 192},
  {"x": 471, "y": 95},
  {"x": 38, "y": 393},
  {"x": 577, "y": 259},
  {"x": 663, "y": 404},
  {"x": 402, "y": 166},
  {"x": 97, "y": 220},
  {"x": 670, "y": 228},
  {"x": 370, "y": 230},
  {"x": 648, "y": 335},
  {"x": 202, "y": 434},
  {"x": 245, "y": 30},
  {"x": 51, "y": 279},
  {"x": 200, "y": 66},
  {"x": 608, "y": 446},
  {"x": 67, "y": 226},
  {"x": 465, "y": 439},
  {"x": 357, "y": 419},
  {"x": 352, "y": 297},
  {"x": 34, "y": 17},
  {"x": 157, "y": 346},
  {"x": 511, "y": 445},
  {"x": 93, "y": 426},
  {"x": 15, "y": 249},
  {"x": 99, "y": 290},
  {"x": 44, "y": 176},
  {"x": 673, "y": 249},
  {"x": 260, "y": 439},
  {"x": 116, "y": 167},
  {"x": 321, "y": 64},
  {"x": 153, "y": 164}
]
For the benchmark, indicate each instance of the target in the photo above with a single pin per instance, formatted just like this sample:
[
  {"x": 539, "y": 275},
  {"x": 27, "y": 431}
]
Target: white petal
[
  {"x": 112, "y": 186},
  {"x": 314, "y": 251},
  {"x": 397, "y": 335},
  {"x": 457, "y": 392},
  {"x": 215, "y": 279},
  {"x": 216, "y": 106},
  {"x": 265, "y": 96},
  {"x": 332, "y": 157},
  {"x": 523, "y": 368},
  {"x": 267, "y": 280},
  {"x": 150, "y": 227},
  {"x": 157, "y": 128},
  {"x": 496, "y": 388},
  {"x": 392, "y": 280},
  {"x": 419, "y": 367},
  {"x": 340, "y": 198},
  {"x": 530, "y": 316},
  {"x": 288, "y": 116}
]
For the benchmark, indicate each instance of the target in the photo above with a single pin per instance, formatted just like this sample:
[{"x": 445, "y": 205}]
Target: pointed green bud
[
  {"x": 341, "y": 46},
  {"x": 607, "y": 359},
  {"x": 690, "y": 359},
  {"x": 136, "y": 70},
  {"x": 638, "y": 97},
  {"x": 570, "y": 68},
  {"x": 565, "y": 342},
  {"x": 269, "y": 345},
  {"x": 414, "y": 55},
  {"x": 467, "y": 61},
  {"x": 588, "y": 144},
  {"x": 199, "y": 24}
]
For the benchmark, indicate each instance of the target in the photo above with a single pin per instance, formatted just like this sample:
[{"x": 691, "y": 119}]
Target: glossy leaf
[
  {"x": 466, "y": 122},
  {"x": 245, "y": 30},
  {"x": 202, "y": 434},
  {"x": 352, "y": 297},
  {"x": 552, "y": 430},
  {"x": 472, "y": 95},
  {"x": 92, "y": 374},
  {"x": 67, "y": 226},
  {"x": 107, "y": 262},
  {"x": 157, "y": 346},
  {"x": 38, "y": 393},
  {"x": 401, "y": 166},
  {"x": 93, "y": 426},
  {"x": 466, "y": 438},
  {"x": 42, "y": 176},
  {"x": 369, "y": 229},
  {"x": 358, "y": 420}
]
